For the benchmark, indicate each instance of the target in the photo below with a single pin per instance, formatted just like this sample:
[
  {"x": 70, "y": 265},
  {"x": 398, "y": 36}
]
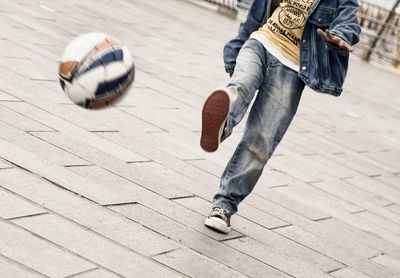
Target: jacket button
[
  {"x": 319, "y": 19},
  {"x": 304, "y": 68},
  {"x": 304, "y": 41}
]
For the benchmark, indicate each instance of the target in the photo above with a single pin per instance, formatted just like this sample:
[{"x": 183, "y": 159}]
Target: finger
[
  {"x": 323, "y": 35},
  {"x": 330, "y": 35},
  {"x": 337, "y": 40}
]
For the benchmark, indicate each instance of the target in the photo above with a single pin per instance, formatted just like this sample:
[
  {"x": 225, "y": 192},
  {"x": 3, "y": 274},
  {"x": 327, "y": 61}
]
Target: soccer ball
[{"x": 95, "y": 70}]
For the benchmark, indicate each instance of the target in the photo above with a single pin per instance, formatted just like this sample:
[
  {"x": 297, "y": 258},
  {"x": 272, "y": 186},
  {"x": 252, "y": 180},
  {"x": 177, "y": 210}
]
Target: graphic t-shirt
[{"x": 282, "y": 33}]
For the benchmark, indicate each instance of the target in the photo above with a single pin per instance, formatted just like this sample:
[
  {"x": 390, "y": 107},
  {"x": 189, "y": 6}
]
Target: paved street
[{"x": 123, "y": 191}]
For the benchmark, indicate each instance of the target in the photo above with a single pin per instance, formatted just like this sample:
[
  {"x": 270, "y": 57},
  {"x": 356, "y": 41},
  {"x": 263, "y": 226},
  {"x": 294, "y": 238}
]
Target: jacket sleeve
[
  {"x": 345, "y": 24},
  {"x": 253, "y": 21}
]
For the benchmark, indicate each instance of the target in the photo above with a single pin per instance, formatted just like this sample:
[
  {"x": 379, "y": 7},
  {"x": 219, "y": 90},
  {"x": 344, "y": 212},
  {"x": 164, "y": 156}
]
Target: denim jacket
[{"x": 323, "y": 66}]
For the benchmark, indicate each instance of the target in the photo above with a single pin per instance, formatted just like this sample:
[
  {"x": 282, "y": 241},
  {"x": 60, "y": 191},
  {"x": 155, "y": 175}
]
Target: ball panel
[
  {"x": 91, "y": 80},
  {"x": 115, "y": 70},
  {"x": 100, "y": 103},
  {"x": 66, "y": 69},
  {"x": 128, "y": 59},
  {"x": 81, "y": 46},
  {"x": 110, "y": 86},
  {"x": 108, "y": 56}
]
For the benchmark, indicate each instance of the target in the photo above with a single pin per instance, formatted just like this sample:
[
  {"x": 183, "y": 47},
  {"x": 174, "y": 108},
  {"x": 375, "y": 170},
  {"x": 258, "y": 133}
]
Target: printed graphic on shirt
[{"x": 285, "y": 27}]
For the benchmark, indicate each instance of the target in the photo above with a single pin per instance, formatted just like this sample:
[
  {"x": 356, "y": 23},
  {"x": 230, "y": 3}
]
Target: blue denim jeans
[{"x": 279, "y": 91}]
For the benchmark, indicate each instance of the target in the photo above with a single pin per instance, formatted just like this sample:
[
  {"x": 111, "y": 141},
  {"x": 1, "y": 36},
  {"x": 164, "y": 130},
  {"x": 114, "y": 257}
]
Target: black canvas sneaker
[{"x": 219, "y": 220}]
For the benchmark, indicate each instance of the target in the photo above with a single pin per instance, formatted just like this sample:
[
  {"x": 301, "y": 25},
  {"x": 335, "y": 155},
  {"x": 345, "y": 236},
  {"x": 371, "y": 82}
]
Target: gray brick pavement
[{"x": 123, "y": 192}]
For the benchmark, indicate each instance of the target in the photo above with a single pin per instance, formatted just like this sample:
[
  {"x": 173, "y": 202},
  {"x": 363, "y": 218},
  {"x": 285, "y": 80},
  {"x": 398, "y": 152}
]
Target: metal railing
[{"x": 380, "y": 37}]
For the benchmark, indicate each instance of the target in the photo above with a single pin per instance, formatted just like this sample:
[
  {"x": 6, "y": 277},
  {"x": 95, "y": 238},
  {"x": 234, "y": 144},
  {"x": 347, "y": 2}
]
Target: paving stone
[
  {"x": 394, "y": 208},
  {"x": 201, "y": 243},
  {"x": 20, "y": 121},
  {"x": 376, "y": 187},
  {"x": 158, "y": 178},
  {"x": 271, "y": 239},
  {"x": 343, "y": 215},
  {"x": 334, "y": 233},
  {"x": 291, "y": 266},
  {"x": 86, "y": 213},
  {"x": 97, "y": 273},
  {"x": 76, "y": 132},
  {"x": 4, "y": 165},
  {"x": 52, "y": 261},
  {"x": 348, "y": 272},
  {"x": 341, "y": 254},
  {"x": 12, "y": 269},
  {"x": 388, "y": 262},
  {"x": 387, "y": 224},
  {"x": 172, "y": 188},
  {"x": 288, "y": 203},
  {"x": 393, "y": 181},
  {"x": 194, "y": 264},
  {"x": 93, "y": 247},
  {"x": 304, "y": 191},
  {"x": 355, "y": 195},
  {"x": 39, "y": 147},
  {"x": 148, "y": 179},
  {"x": 7, "y": 97},
  {"x": 12, "y": 206}
]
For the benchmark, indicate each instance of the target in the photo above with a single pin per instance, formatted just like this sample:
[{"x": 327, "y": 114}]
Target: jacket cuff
[{"x": 341, "y": 35}]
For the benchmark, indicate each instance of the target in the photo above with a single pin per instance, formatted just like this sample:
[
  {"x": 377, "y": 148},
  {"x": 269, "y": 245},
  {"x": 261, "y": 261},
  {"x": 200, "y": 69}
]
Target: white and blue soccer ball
[{"x": 95, "y": 70}]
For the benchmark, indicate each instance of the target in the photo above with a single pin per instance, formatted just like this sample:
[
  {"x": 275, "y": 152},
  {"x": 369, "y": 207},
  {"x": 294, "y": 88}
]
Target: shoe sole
[
  {"x": 214, "y": 115},
  {"x": 216, "y": 225}
]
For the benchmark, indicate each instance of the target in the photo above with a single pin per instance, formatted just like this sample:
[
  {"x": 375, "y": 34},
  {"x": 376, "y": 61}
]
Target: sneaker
[
  {"x": 219, "y": 220},
  {"x": 214, "y": 116}
]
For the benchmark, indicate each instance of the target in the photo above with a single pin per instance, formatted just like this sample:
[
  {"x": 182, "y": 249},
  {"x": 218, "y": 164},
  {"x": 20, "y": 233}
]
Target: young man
[{"x": 281, "y": 47}]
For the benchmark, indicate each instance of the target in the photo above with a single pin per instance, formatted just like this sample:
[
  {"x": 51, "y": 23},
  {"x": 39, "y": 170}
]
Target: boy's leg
[
  {"x": 226, "y": 107},
  {"x": 270, "y": 116}
]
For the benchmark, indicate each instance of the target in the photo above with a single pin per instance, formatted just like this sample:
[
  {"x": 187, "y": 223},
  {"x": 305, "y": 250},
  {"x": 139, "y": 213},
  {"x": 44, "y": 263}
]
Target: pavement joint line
[
  {"x": 121, "y": 204},
  {"x": 183, "y": 197},
  {"x": 105, "y": 131},
  {"x": 280, "y": 227},
  {"x": 322, "y": 219},
  {"x": 279, "y": 186},
  {"x": 168, "y": 251},
  {"x": 233, "y": 238},
  {"x": 24, "y": 267},
  {"x": 84, "y": 272},
  {"x": 194, "y": 159},
  {"x": 377, "y": 255},
  {"x": 66, "y": 189},
  {"x": 375, "y": 176},
  {"x": 79, "y": 165},
  {"x": 338, "y": 269},
  {"x": 26, "y": 216},
  {"x": 139, "y": 161},
  {"x": 359, "y": 212},
  {"x": 9, "y": 100}
]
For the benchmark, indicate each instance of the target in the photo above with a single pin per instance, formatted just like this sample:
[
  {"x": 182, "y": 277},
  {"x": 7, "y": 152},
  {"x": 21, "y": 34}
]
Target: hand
[{"x": 329, "y": 37}]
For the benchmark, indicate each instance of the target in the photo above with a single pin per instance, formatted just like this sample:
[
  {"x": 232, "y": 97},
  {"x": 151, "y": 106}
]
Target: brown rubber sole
[{"x": 215, "y": 112}]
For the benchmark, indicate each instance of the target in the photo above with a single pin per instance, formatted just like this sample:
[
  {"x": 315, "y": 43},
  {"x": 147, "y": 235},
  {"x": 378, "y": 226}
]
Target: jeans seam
[{"x": 234, "y": 161}]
